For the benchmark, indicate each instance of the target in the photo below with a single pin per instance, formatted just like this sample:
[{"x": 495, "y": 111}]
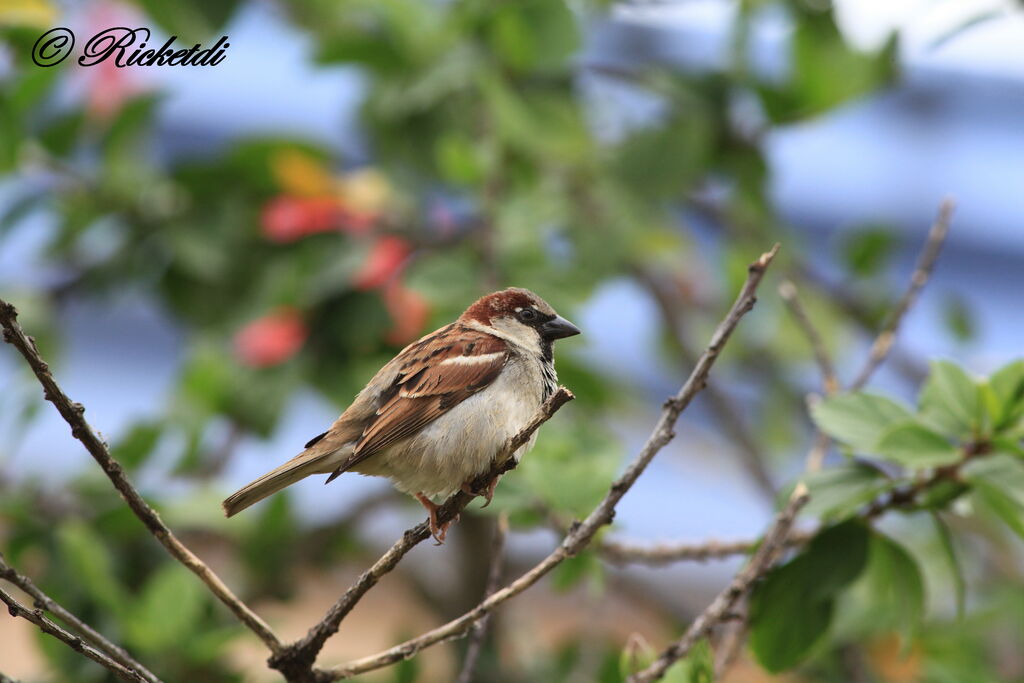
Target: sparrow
[{"x": 436, "y": 416}]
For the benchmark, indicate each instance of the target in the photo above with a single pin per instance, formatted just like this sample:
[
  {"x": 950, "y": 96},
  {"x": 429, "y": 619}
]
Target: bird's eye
[{"x": 527, "y": 315}]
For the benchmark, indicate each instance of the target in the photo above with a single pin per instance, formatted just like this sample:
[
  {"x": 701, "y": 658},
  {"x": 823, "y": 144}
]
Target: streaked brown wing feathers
[{"x": 433, "y": 380}]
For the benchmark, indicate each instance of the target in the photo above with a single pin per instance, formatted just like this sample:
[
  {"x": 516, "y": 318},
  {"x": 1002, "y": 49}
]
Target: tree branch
[
  {"x": 37, "y": 617},
  {"x": 723, "y": 407},
  {"x": 80, "y": 429},
  {"x": 625, "y": 552},
  {"x": 716, "y": 612},
  {"x": 479, "y": 630},
  {"x": 722, "y": 605},
  {"x": 296, "y": 661},
  {"x": 582, "y": 534},
  {"x": 922, "y": 272},
  {"x": 43, "y": 601},
  {"x": 788, "y": 292}
]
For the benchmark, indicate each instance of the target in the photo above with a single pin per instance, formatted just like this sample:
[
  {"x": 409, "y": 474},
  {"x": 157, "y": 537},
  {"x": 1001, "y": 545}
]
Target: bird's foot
[
  {"x": 487, "y": 493},
  {"x": 438, "y": 531}
]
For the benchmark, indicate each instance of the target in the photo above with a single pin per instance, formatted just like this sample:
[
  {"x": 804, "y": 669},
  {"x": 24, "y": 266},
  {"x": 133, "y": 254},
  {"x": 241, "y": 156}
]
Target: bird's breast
[{"x": 463, "y": 442}]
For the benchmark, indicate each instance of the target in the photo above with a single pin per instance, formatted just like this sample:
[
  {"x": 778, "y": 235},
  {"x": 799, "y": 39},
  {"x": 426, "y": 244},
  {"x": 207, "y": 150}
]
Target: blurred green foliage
[{"x": 288, "y": 268}]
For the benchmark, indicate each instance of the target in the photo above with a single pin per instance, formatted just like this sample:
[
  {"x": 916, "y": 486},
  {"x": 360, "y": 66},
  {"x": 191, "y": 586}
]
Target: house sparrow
[{"x": 435, "y": 417}]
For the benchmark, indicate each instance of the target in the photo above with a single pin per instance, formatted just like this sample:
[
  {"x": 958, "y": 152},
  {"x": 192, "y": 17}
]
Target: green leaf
[
  {"x": 698, "y": 667},
  {"x": 166, "y": 613},
  {"x": 11, "y": 136},
  {"x": 939, "y": 495},
  {"x": 267, "y": 548},
  {"x": 534, "y": 34},
  {"x": 192, "y": 19},
  {"x": 784, "y": 623},
  {"x": 458, "y": 159},
  {"x": 838, "y": 492},
  {"x": 790, "y": 611},
  {"x": 950, "y": 400},
  {"x": 825, "y": 70},
  {"x": 959, "y": 318},
  {"x": 132, "y": 449},
  {"x": 679, "y": 150},
  {"x": 61, "y": 133},
  {"x": 945, "y": 537},
  {"x": 1007, "y": 387},
  {"x": 836, "y": 556},
  {"x": 916, "y": 446},
  {"x": 868, "y": 249},
  {"x": 858, "y": 419},
  {"x": 86, "y": 555},
  {"x": 895, "y": 583},
  {"x": 998, "y": 483}
]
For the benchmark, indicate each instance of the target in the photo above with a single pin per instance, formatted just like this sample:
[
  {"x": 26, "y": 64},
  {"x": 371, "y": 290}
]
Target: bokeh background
[{"x": 216, "y": 259}]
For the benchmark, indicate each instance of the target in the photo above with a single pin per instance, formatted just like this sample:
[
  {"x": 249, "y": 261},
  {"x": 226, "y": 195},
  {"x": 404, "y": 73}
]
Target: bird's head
[{"x": 521, "y": 315}]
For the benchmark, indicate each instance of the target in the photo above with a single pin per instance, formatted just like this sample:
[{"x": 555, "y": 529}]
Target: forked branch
[
  {"x": 44, "y": 602},
  {"x": 581, "y": 534},
  {"x": 80, "y": 429}
]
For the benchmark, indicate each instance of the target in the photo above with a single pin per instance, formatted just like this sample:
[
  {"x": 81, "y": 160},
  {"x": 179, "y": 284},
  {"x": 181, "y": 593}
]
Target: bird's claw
[
  {"x": 438, "y": 531},
  {"x": 487, "y": 493}
]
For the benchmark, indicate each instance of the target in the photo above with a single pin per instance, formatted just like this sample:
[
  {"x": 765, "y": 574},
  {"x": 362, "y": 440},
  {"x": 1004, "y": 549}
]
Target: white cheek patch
[{"x": 472, "y": 360}]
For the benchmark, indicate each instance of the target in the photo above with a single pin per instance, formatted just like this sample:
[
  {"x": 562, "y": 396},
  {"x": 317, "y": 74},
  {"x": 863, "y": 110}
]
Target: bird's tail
[{"x": 310, "y": 461}]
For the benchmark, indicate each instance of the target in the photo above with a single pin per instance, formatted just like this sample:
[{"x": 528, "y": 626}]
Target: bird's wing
[{"x": 433, "y": 376}]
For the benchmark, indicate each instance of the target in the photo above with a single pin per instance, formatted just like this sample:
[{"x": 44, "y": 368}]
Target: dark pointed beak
[{"x": 557, "y": 328}]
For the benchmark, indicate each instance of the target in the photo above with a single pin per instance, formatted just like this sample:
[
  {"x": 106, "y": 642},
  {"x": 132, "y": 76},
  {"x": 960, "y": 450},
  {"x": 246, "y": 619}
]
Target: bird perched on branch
[{"x": 435, "y": 417}]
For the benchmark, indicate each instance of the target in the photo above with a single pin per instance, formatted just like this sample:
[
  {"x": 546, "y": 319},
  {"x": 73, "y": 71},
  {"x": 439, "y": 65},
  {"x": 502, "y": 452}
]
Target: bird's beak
[{"x": 557, "y": 328}]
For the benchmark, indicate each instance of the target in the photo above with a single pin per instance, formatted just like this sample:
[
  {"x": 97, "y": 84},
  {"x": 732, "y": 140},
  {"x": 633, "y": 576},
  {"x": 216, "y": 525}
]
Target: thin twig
[
  {"x": 723, "y": 603},
  {"x": 788, "y": 292},
  {"x": 625, "y": 552},
  {"x": 922, "y": 272},
  {"x": 731, "y": 642},
  {"x": 879, "y": 350},
  {"x": 36, "y": 616},
  {"x": 45, "y": 602},
  {"x": 81, "y": 430},
  {"x": 722, "y": 406},
  {"x": 583, "y": 533},
  {"x": 478, "y": 632},
  {"x": 296, "y": 660},
  {"x": 816, "y": 456}
]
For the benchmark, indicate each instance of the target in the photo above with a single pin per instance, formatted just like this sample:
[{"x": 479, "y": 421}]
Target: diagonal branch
[
  {"x": 581, "y": 534},
  {"x": 922, "y": 272},
  {"x": 295, "y": 661},
  {"x": 37, "y": 617},
  {"x": 45, "y": 602},
  {"x": 726, "y": 412},
  {"x": 722, "y": 605},
  {"x": 788, "y": 292},
  {"x": 80, "y": 429},
  {"x": 718, "y": 610}
]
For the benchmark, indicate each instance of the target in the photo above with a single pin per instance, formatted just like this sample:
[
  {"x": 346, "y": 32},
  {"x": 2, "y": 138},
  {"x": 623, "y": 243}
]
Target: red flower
[
  {"x": 272, "y": 339},
  {"x": 409, "y": 311},
  {"x": 387, "y": 258},
  {"x": 286, "y": 218}
]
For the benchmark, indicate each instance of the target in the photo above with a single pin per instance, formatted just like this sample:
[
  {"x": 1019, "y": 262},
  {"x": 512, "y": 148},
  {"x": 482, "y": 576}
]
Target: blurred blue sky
[{"x": 954, "y": 127}]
